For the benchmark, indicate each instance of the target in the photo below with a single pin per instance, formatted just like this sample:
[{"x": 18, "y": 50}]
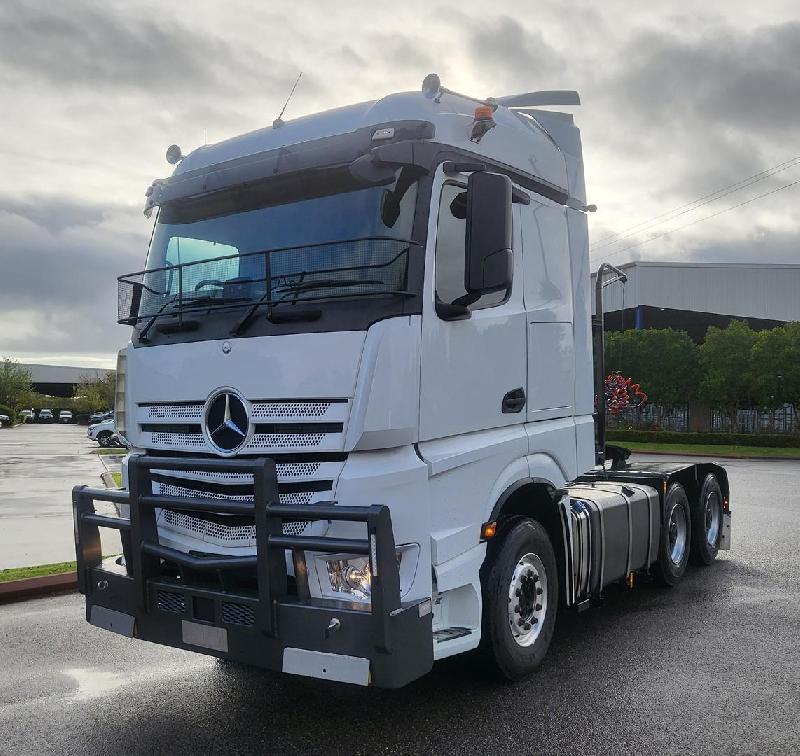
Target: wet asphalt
[
  {"x": 39, "y": 465},
  {"x": 710, "y": 667}
]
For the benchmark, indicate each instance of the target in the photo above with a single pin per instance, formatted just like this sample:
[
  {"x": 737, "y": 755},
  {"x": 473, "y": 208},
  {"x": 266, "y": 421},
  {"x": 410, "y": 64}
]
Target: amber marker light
[
  {"x": 488, "y": 531},
  {"x": 484, "y": 113}
]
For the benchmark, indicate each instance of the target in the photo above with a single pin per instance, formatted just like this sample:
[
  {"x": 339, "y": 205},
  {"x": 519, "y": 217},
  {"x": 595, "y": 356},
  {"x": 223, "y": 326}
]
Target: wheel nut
[
  {"x": 538, "y": 607},
  {"x": 539, "y": 591},
  {"x": 516, "y": 593},
  {"x": 516, "y": 609},
  {"x": 527, "y": 626}
]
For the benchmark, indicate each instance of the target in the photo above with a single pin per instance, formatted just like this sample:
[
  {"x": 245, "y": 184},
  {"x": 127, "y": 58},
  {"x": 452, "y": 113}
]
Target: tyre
[
  {"x": 707, "y": 522},
  {"x": 104, "y": 439},
  {"x": 676, "y": 536},
  {"x": 520, "y": 600}
]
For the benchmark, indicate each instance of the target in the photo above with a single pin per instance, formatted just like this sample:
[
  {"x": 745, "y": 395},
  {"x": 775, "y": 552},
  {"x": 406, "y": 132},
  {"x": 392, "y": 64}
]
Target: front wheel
[
  {"x": 104, "y": 439},
  {"x": 520, "y": 600}
]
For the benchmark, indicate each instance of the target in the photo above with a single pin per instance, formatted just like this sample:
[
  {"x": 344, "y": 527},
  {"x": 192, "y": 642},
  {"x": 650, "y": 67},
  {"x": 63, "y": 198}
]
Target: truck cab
[{"x": 360, "y": 362}]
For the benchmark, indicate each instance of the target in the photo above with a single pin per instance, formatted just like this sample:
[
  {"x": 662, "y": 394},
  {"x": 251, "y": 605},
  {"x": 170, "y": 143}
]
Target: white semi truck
[{"x": 360, "y": 401}]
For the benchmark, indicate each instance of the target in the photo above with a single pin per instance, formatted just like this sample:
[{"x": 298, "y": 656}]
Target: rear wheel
[
  {"x": 676, "y": 535},
  {"x": 520, "y": 599},
  {"x": 104, "y": 439},
  {"x": 707, "y": 522}
]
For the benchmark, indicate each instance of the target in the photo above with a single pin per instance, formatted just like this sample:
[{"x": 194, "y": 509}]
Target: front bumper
[{"x": 386, "y": 643}]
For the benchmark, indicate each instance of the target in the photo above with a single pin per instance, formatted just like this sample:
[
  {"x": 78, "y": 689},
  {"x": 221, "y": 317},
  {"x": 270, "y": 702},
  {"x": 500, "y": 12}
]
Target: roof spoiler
[{"x": 536, "y": 99}]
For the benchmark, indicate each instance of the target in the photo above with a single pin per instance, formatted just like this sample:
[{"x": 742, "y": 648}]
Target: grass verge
[
  {"x": 119, "y": 451},
  {"x": 117, "y": 478},
  {"x": 713, "y": 450},
  {"x": 18, "y": 573}
]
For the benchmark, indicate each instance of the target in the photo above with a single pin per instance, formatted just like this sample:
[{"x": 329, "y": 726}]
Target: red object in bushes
[{"x": 622, "y": 393}]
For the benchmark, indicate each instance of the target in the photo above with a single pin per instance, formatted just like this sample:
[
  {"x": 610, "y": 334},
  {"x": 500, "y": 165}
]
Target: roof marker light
[
  {"x": 174, "y": 154},
  {"x": 431, "y": 86}
]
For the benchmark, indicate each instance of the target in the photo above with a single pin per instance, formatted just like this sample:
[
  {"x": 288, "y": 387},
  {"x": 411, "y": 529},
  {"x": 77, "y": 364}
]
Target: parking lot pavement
[
  {"x": 710, "y": 667},
  {"x": 39, "y": 465}
]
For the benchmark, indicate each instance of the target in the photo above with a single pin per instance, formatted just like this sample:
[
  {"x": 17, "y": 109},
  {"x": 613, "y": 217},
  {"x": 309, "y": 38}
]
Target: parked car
[
  {"x": 65, "y": 416},
  {"x": 5, "y": 419},
  {"x": 26, "y": 415},
  {"x": 104, "y": 433},
  {"x": 45, "y": 416},
  {"x": 98, "y": 417}
]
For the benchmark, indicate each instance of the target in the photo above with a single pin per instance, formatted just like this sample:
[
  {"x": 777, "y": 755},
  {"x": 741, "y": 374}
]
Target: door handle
[{"x": 513, "y": 401}]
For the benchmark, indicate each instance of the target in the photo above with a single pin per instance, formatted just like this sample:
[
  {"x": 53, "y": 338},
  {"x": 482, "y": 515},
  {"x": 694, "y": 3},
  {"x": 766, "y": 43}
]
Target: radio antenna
[{"x": 278, "y": 122}]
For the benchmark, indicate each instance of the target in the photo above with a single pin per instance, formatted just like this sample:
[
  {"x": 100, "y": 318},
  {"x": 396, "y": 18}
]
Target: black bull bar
[{"x": 396, "y": 637}]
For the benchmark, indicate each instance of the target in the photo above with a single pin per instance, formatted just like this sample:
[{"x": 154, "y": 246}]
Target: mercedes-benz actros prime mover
[{"x": 363, "y": 399}]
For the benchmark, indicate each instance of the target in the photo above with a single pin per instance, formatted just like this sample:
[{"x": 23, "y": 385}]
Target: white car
[
  {"x": 104, "y": 433},
  {"x": 65, "y": 416},
  {"x": 27, "y": 415}
]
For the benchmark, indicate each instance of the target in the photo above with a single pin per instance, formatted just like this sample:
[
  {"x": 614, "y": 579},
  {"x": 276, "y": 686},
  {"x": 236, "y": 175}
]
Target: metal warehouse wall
[{"x": 767, "y": 292}]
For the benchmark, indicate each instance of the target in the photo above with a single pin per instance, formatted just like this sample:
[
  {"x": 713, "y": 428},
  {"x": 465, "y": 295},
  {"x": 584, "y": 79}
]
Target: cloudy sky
[{"x": 680, "y": 99}]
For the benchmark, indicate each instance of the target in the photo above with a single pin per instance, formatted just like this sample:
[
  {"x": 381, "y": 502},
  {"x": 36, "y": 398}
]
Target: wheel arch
[{"x": 535, "y": 498}]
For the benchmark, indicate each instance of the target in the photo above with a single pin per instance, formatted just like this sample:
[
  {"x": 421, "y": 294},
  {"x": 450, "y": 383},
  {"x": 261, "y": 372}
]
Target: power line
[
  {"x": 700, "y": 220},
  {"x": 706, "y": 199}
]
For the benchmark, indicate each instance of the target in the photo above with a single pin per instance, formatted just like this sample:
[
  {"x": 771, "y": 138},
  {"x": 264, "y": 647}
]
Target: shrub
[{"x": 774, "y": 441}]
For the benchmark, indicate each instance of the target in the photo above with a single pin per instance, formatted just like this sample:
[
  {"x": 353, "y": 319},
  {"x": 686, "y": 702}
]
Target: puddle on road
[{"x": 94, "y": 683}]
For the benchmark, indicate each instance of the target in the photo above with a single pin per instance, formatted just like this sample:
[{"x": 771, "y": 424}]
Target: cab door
[{"x": 474, "y": 369}]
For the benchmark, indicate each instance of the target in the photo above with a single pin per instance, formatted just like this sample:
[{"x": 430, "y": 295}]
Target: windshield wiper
[{"x": 190, "y": 301}]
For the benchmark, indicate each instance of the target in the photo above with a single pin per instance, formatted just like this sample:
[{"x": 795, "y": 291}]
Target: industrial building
[
  {"x": 693, "y": 296},
  {"x": 60, "y": 380}
]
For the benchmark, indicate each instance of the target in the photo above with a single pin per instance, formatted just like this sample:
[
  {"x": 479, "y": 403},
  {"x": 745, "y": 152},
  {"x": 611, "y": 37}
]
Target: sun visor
[{"x": 340, "y": 149}]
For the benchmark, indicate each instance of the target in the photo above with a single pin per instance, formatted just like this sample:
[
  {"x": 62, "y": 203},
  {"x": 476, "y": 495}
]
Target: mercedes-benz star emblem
[{"x": 227, "y": 421}]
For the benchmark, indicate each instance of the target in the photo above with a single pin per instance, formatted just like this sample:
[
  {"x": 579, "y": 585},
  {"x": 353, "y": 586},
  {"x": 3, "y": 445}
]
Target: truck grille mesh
[
  {"x": 238, "y": 614},
  {"x": 167, "y": 601},
  {"x": 305, "y": 437}
]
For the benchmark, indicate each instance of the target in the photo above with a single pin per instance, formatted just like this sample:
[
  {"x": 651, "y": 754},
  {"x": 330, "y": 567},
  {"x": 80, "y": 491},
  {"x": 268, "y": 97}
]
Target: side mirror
[{"x": 488, "y": 257}]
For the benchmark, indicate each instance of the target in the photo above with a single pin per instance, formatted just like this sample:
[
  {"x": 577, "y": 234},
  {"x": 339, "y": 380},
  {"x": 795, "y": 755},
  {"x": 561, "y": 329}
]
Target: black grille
[
  {"x": 238, "y": 614},
  {"x": 168, "y": 601}
]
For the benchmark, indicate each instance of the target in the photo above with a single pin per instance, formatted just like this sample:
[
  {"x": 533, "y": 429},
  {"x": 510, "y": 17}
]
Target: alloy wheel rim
[
  {"x": 527, "y": 599},
  {"x": 713, "y": 518},
  {"x": 678, "y": 532}
]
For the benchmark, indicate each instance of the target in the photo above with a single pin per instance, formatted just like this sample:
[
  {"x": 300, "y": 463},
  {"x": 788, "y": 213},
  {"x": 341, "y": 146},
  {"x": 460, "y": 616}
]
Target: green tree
[
  {"x": 664, "y": 362},
  {"x": 726, "y": 358},
  {"x": 95, "y": 393},
  {"x": 15, "y": 384},
  {"x": 776, "y": 366}
]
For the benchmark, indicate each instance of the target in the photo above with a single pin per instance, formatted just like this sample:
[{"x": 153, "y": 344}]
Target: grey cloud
[
  {"x": 511, "y": 54},
  {"x": 62, "y": 266},
  {"x": 743, "y": 80},
  {"x": 102, "y": 46}
]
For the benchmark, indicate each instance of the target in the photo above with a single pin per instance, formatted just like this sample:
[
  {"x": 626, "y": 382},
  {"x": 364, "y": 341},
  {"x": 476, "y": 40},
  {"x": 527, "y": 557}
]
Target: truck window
[{"x": 449, "y": 261}]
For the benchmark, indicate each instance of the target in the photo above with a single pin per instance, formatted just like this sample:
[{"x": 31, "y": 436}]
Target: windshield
[{"x": 224, "y": 249}]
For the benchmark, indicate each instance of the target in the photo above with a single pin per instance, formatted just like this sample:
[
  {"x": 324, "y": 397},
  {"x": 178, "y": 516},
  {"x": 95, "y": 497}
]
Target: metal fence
[
  {"x": 781, "y": 420},
  {"x": 651, "y": 416},
  {"x": 784, "y": 419}
]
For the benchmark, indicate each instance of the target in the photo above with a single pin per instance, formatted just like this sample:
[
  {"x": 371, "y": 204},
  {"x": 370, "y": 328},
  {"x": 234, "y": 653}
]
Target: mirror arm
[{"x": 452, "y": 311}]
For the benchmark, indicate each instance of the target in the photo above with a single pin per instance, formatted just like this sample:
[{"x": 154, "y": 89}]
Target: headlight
[
  {"x": 119, "y": 396},
  {"x": 348, "y": 576}
]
